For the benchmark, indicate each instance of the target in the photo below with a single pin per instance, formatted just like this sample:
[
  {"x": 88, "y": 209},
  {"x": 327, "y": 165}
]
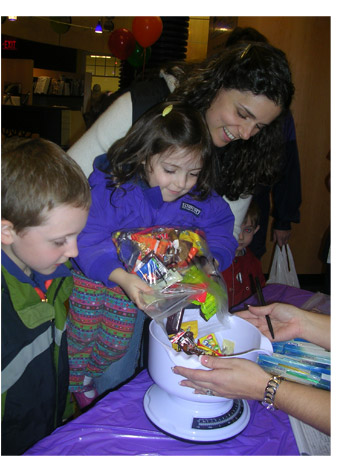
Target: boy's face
[
  {"x": 246, "y": 234},
  {"x": 44, "y": 247}
]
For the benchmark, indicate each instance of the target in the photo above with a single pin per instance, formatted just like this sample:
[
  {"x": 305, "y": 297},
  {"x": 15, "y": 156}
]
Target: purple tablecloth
[{"x": 118, "y": 425}]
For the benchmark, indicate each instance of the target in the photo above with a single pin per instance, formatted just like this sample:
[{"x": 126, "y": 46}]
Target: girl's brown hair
[{"x": 155, "y": 133}]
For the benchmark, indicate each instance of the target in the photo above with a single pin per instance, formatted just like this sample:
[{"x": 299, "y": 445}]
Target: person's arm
[
  {"x": 241, "y": 378},
  {"x": 110, "y": 126},
  {"x": 290, "y": 322},
  {"x": 308, "y": 404},
  {"x": 108, "y": 214},
  {"x": 239, "y": 209},
  {"x": 287, "y": 192},
  {"x": 217, "y": 222}
]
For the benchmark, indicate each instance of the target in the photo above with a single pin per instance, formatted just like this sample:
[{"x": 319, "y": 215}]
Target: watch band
[{"x": 270, "y": 392}]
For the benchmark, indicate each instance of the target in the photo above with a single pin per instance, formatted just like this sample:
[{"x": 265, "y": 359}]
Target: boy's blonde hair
[{"x": 37, "y": 176}]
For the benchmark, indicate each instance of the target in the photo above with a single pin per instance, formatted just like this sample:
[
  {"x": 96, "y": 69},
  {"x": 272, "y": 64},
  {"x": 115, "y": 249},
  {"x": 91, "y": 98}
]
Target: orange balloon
[{"x": 147, "y": 30}]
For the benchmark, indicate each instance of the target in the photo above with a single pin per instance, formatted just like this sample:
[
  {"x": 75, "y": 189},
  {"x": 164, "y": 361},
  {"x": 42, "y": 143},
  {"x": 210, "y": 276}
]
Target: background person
[{"x": 240, "y": 275}]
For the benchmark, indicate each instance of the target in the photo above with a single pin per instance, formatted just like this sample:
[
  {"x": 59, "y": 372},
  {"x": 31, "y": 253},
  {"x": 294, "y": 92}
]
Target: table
[{"x": 118, "y": 425}]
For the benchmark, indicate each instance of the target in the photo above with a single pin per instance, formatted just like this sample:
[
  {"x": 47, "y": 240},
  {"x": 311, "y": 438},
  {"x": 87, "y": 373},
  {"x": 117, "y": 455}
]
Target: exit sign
[{"x": 9, "y": 45}]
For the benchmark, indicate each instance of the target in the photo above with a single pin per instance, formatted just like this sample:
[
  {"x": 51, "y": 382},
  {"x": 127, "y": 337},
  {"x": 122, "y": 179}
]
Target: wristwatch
[{"x": 270, "y": 392}]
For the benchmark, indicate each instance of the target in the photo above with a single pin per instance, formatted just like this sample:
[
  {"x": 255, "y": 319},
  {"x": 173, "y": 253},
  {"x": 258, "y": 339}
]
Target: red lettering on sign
[{"x": 9, "y": 45}]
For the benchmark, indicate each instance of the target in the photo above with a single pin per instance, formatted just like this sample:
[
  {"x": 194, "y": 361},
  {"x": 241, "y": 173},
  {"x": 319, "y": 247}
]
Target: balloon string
[{"x": 144, "y": 57}]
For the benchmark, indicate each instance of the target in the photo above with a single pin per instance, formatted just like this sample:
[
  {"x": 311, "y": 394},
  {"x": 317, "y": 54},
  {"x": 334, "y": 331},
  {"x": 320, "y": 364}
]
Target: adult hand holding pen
[{"x": 290, "y": 322}]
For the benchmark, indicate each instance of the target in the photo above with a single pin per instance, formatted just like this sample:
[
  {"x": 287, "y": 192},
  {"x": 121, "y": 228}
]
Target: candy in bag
[{"x": 178, "y": 266}]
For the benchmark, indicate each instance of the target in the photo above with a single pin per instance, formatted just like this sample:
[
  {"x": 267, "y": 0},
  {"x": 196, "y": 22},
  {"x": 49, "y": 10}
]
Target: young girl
[{"x": 160, "y": 174}]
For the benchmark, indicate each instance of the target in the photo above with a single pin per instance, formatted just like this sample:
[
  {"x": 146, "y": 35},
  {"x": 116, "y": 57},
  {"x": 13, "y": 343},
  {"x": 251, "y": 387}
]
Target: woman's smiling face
[{"x": 235, "y": 115}]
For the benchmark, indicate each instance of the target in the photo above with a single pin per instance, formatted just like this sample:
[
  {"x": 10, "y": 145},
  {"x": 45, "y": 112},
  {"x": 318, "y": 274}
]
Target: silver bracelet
[{"x": 270, "y": 392}]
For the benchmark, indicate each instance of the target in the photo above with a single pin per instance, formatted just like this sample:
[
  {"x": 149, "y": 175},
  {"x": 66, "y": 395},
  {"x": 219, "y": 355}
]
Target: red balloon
[
  {"x": 121, "y": 43},
  {"x": 147, "y": 30}
]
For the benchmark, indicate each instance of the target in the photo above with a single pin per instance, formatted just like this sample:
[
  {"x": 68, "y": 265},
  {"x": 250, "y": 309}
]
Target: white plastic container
[{"x": 249, "y": 343}]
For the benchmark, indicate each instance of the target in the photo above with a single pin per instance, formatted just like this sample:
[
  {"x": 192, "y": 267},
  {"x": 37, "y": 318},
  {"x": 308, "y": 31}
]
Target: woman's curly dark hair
[
  {"x": 154, "y": 133},
  {"x": 258, "y": 68}
]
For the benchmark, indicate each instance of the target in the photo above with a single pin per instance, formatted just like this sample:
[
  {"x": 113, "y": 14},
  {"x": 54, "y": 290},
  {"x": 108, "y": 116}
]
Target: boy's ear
[
  {"x": 256, "y": 229},
  {"x": 7, "y": 232}
]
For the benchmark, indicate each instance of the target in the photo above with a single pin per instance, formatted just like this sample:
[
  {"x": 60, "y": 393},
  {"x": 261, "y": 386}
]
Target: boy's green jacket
[{"x": 34, "y": 362}]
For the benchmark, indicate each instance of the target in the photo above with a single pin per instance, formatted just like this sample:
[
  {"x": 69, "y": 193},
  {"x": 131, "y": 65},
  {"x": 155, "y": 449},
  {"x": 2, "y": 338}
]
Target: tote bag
[{"x": 283, "y": 268}]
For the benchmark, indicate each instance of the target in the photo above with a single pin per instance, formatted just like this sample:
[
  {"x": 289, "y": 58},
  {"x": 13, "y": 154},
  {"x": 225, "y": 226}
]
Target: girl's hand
[
  {"x": 229, "y": 378},
  {"x": 131, "y": 284}
]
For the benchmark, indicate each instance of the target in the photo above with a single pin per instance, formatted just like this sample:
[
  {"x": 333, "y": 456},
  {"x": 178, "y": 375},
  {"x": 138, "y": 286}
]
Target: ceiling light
[{"x": 99, "y": 28}]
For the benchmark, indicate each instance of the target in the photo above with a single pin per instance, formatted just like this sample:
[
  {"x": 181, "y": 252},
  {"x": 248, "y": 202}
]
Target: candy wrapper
[
  {"x": 185, "y": 340},
  {"x": 178, "y": 266}
]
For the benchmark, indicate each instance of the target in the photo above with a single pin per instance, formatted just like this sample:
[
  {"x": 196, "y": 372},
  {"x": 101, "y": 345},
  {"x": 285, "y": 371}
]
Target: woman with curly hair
[{"x": 243, "y": 92}]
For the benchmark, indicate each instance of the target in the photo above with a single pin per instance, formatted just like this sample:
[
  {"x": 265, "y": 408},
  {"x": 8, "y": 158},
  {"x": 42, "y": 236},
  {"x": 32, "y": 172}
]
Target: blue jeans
[{"x": 123, "y": 369}]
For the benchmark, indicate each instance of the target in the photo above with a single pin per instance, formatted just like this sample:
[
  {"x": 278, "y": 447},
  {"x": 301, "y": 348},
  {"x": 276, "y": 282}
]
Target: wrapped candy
[
  {"x": 185, "y": 340},
  {"x": 177, "y": 265},
  {"x": 209, "y": 343}
]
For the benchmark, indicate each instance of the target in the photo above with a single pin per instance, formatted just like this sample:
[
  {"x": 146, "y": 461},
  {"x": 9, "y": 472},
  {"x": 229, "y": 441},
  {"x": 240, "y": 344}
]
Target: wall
[
  {"x": 197, "y": 39},
  {"x": 18, "y": 72},
  {"x": 306, "y": 41}
]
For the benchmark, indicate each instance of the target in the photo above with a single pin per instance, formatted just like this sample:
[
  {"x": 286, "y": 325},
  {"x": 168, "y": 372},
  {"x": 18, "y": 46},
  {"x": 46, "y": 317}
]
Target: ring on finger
[{"x": 209, "y": 392}]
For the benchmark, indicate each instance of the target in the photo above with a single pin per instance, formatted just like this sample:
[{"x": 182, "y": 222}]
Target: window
[{"x": 106, "y": 66}]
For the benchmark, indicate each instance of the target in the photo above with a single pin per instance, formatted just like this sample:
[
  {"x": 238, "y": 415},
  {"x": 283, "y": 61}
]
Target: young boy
[
  {"x": 45, "y": 204},
  {"x": 245, "y": 265}
]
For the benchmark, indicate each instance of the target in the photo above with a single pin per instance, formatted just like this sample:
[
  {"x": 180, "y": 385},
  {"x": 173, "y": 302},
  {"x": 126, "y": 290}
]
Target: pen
[{"x": 263, "y": 303}]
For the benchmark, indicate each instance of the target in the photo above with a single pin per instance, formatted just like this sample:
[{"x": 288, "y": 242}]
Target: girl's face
[
  {"x": 175, "y": 172},
  {"x": 44, "y": 247},
  {"x": 237, "y": 115}
]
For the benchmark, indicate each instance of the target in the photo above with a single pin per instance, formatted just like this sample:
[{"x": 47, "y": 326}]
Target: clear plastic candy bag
[{"x": 178, "y": 266}]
